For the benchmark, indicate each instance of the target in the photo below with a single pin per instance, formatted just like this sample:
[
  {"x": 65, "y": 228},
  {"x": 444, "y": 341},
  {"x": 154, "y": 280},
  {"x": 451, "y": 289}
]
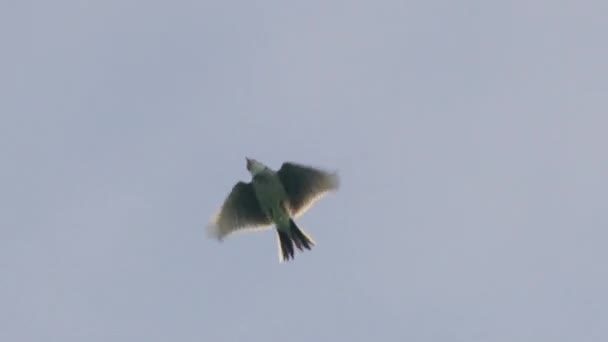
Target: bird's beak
[{"x": 248, "y": 163}]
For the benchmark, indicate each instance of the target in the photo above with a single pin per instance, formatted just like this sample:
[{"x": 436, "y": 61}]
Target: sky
[{"x": 470, "y": 138}]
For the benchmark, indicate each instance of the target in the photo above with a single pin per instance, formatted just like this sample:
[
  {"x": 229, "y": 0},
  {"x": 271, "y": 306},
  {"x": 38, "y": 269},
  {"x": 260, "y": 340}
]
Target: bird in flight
[{"x": 274, "y": 197}]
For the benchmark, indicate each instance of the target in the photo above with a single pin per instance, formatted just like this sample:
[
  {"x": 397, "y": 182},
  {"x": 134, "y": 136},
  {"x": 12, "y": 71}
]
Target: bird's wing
[
  {"x": 241, "y": 210},
  {"x": 304, "y": 185}
]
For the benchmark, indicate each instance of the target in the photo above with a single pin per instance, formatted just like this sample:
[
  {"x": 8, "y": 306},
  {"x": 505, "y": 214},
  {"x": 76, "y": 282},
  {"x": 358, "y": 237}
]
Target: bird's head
[{"x": 254, "y": 167}]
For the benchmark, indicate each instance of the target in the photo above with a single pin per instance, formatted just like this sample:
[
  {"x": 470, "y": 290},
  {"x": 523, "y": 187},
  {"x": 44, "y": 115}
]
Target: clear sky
[{"x": 470, "y": 136}]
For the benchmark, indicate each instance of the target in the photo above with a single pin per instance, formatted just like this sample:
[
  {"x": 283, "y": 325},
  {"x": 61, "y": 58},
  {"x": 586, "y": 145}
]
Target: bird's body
[{"x": 274, "y": 197}]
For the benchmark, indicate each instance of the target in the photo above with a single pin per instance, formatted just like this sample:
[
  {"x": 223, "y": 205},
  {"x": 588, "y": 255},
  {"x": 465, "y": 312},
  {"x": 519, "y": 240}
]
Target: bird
[{"x": 274, "y": 198}]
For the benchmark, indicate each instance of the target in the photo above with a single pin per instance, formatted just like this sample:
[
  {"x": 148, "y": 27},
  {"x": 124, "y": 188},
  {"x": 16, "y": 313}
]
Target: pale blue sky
[{"x": 470, "y": 137}]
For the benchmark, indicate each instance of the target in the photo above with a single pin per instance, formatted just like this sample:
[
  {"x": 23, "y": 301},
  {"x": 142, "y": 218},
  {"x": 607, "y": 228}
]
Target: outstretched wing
[
  {"x": 241, "y": 210},
  {"x": 304, "y": 185}
]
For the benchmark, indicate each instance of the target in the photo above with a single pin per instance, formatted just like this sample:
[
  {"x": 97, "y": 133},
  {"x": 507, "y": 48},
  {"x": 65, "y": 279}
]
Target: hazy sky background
[{"x": 471, "y": 137}]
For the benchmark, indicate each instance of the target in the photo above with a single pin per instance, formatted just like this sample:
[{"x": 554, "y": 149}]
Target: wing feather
[
  {"x": 240, "y": 211},
  {"x": 305, "y": 185}
]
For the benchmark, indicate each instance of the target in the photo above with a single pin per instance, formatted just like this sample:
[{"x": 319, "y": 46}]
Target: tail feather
[
  {"x": 296, "y": 237},
  {"x": 285, "y": 246}
]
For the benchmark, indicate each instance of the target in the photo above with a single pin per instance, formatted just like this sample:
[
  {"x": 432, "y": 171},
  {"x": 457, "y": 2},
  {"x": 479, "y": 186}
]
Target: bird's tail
[{"x": 296, "y": 237}]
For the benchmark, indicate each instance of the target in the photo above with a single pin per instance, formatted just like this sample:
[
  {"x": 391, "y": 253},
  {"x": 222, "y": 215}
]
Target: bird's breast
[{"x": 272, "y": 197}]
